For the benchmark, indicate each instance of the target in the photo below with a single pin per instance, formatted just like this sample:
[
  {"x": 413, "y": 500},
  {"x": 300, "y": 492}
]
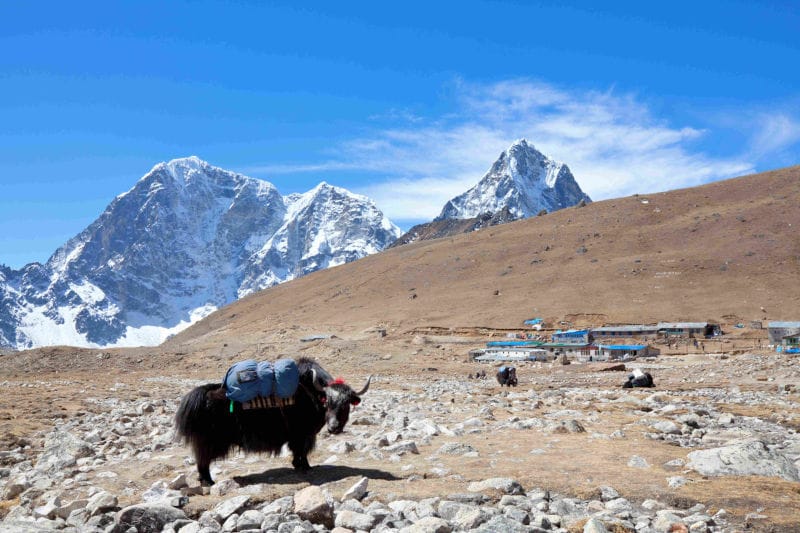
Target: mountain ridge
[
  {"x": 187, "y": 238},
  {"x": 718, "y": 252},
  {"x": 522, "y": 179}
]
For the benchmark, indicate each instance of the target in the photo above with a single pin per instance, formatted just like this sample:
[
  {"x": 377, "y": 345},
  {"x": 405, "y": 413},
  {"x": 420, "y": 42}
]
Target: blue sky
[{"x": 408, "y": 103}]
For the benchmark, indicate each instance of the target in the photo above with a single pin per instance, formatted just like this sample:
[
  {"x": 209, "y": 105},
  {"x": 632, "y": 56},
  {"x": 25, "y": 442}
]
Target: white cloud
[
  {"x": 613, "y": 143},
  {"x": 776, "y": 132}
]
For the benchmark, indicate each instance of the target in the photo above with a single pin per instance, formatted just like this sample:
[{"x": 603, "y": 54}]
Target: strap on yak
[
  {"x": 263, "y": 402},
  {"x": 268, "y": 402}
]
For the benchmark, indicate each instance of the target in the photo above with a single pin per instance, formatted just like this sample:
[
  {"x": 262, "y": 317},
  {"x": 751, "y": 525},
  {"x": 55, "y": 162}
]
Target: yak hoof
[{"x": 301, "y": 464}]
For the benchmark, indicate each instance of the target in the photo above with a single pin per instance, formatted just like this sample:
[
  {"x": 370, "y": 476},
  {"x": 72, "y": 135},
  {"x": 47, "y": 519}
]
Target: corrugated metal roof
[
  {"x": 682, "y": 325},
  {"x": 513, "y": 349},
  {"x": 513, "y": 343},
  {"x": 636, "y": 347},
  {"x": 508, "y": 357},
  {"x": 780, "y": 324},
  {"x": 627, "y": 327},
  {"x": 564, "y": 345}
]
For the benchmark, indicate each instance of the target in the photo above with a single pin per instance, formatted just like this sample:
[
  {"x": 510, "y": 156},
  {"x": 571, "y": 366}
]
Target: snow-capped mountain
[
  {"x": 187, "y": 239},
  {"x": 524, "y": 181}
]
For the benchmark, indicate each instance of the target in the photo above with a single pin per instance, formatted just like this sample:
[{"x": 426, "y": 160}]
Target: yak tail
[{"x": 194, "y": 413}]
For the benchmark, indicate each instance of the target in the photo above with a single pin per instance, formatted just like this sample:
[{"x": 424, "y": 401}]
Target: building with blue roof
[
  {"x": 573, "y": 336},
  {"x": 784, "y": 334}
]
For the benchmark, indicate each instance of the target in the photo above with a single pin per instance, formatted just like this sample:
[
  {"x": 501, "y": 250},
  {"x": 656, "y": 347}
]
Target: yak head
[{"x": 337, "y": 399}]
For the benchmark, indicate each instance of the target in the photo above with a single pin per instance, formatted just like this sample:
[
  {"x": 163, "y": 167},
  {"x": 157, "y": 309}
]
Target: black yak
[
  {"x": 213, "y": 425},
  {"x": 639, "y": 379},
  {"x": 507, "y": 375}
]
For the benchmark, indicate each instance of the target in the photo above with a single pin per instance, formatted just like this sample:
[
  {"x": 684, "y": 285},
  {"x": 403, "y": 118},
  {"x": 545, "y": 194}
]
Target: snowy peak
[
  {"x": 186, "y": 239},
  {"x": 522, "y": 180}
]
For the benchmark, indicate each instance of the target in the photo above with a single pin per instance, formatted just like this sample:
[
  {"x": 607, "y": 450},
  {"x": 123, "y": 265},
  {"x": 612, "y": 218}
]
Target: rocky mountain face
[
  {"x": 438, "y": 229},
  {"x": 524, "y": 181},
  {"x": 187, "y": 239}
]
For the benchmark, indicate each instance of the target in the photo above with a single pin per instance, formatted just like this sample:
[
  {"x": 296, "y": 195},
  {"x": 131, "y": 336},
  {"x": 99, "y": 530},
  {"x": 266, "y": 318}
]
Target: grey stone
[
  {"x": 455, "y": 448},
  {"x": 502, "y": 523},
  {"x": 312, "y": 504},
  {"x": 743, "y": 458},
  {"x": 469, "y": 518},
  {"x": 224, "y": 509},
  {"x": 296, "y": 526},
  {"x": 608, "y": 493},
  {"x": 522, "y": 502},
  {"x": 675, "y": 482},
  {"x": 178, "y": 482},
  {"x": 502, "y": 484},
  {"x": 664, "y": 520},
  {"x": 64, "y": 510},
  {"x": 402, "y": 448},
  {"x": 667, "y": 426},
  {"x": 638, "y": 462},
  {"x": 191, "y": 527},
  {"x": 618, "y": 505},
  {"x": 517, "y": 514},
  {"x": 354, "y": 521},
  {"x": 101, "y": 502},
  {"x": 62, "y": 449},
  {"x": 357, "y": 491},
  {"x": 593, "y": 525},
  {"x": 250, "y": 519},
  {"x": 279, "y": 506},
  {"x": 429, "y": 524},
  {"x": 146, "y": 517}
]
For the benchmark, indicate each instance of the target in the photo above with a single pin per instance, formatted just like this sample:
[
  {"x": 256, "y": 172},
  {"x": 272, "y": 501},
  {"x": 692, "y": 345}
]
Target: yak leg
[
  {"x": 203, "y": 459},
  {"x": 300, "y": 448}
]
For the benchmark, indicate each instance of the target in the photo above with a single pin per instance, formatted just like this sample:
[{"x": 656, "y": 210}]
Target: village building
[
  {"x": 573, "y": 336},
  {"x": 688, "y": 329},
  {"x": 785, "y": 335},
  {"x": 576, "y": 351},
  {"x": 509, "y": 354},
  {"x": 617, "y": 352}
]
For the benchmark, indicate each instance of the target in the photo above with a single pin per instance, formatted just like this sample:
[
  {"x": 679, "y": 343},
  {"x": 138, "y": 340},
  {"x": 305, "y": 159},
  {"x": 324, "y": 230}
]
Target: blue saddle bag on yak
[{"x": 247, "y": 379}]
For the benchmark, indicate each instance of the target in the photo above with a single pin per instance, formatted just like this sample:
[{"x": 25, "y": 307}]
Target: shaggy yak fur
[
  {"x": 639, "y": 379},
  {"x": 507, "y": 376},
  {"x": 204, "y": 419}
]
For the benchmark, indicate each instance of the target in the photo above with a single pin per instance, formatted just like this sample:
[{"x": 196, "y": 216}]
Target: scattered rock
[{"x": 743, "y": 458}]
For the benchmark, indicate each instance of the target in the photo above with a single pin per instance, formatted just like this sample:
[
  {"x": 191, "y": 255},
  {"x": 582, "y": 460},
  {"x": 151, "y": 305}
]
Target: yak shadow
[{"x": 318, "y": 475}]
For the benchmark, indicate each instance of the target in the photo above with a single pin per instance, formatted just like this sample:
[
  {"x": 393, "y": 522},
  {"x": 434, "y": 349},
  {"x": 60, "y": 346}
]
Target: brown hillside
[{"x": 719, "y": 252}]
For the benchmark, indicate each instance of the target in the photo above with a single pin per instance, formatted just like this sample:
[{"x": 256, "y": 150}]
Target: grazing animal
[
  {"x": 639, "y": 379},
  {"x": 507, "y": 375},
  {"x": 214, "y": 425}
]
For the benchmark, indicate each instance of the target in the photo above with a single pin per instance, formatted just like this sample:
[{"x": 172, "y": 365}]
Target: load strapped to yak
[{"x": 262, "y": 385}]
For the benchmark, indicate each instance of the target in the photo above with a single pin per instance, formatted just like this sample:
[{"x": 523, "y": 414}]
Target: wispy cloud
[
  {"x": 776, "y": 132},
  {"x": 288, "y": 168},
  {"x": 614, "y": 144}
]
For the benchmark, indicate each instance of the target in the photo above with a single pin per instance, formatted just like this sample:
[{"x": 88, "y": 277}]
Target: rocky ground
[{"x": 714, "y": 447}]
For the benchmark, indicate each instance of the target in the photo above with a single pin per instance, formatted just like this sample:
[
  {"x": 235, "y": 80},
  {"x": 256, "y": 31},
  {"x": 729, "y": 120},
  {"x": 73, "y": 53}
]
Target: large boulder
[
  {"x": 314, "y": 505},
  {"x": 749, "y": 457},
  {"x": 146, "y": 517},
  {"x": 62, "y": 449},
  {"x": 502, "y": 484}
]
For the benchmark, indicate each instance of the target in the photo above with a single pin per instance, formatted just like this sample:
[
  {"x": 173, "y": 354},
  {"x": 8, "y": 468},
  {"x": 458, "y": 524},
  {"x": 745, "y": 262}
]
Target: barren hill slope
[{"x": 719, "y": 252}]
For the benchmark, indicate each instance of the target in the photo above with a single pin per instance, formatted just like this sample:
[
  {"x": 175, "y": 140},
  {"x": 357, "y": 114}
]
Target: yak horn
[
  {"x": 314, "y": 380},
  {"x": 362, "y": 391}
]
